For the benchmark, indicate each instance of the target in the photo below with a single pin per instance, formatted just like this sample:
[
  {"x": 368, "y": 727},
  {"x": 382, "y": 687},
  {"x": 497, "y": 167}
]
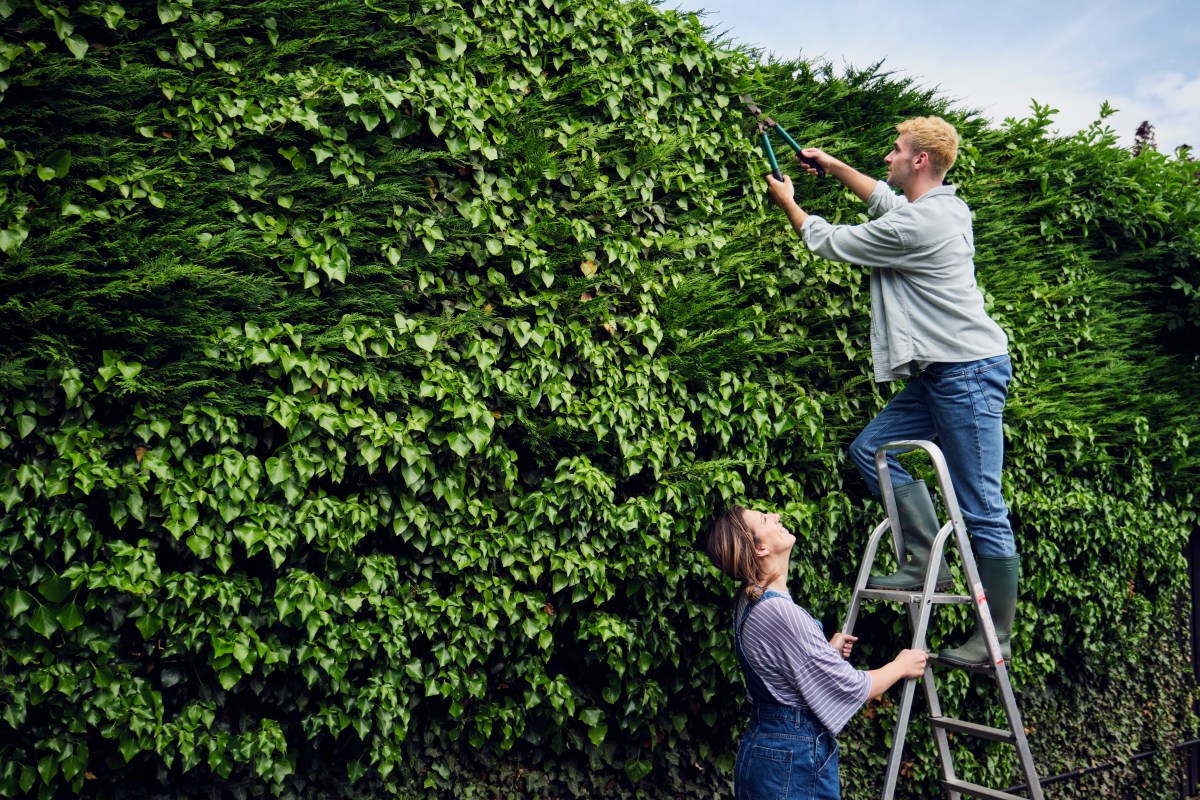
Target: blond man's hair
[{"x": 935, "y": 136}]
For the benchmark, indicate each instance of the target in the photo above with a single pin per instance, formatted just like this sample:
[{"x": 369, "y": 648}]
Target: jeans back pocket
[{"x": 992, "y": 381}]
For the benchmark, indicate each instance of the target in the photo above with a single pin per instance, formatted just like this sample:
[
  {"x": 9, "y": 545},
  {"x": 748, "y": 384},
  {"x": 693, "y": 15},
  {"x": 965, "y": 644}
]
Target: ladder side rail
[
  {"x": 940, "y": 735},
  {"x": 983, "y": 613},
  {"x": 936, "y": 549},
  {"x": 896, "y": 755},
  {"x": 918, "y": 618},
  {"x": 864, "y": 574},
  {"x": 998, "y": 671},
  {"x": 965, "y": 552},
  {"x": 883, "y": 475},
  {"x": 939, "y": 466},
  {"x": 1017, "y": 727},
  {"x": 966, "y": 555}
]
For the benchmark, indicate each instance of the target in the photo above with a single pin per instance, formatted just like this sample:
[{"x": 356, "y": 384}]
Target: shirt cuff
[{"x": 808, "y": 224}]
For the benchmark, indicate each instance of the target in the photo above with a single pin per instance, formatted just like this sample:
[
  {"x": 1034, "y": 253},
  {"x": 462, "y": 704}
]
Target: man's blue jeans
[{"x": 961, "y": 408}]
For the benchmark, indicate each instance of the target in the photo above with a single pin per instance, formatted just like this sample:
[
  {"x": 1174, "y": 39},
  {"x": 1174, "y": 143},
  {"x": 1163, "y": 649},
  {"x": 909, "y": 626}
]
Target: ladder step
[
  {"x": 975, "y": 790},
  {"x": 913, "y": 596},
  {"x": 973, "y": 729}
]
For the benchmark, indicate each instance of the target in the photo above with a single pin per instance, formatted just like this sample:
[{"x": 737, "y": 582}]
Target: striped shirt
[{"x": 788, "y": 651}]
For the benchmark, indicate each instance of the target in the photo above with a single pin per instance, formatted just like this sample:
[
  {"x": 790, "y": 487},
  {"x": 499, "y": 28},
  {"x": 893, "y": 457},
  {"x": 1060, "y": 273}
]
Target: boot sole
[
  {"x": 953, "y": 662},
  {"x": 944, "y": 586}
]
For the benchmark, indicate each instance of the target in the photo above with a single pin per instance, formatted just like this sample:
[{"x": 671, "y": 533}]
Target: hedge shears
[{"x": 765, "y": 126}]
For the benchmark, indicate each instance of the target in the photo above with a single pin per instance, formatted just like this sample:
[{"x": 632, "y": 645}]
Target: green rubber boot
[
  {"x": 999, "y": 578},
  {"x": 919, "y": 526}
]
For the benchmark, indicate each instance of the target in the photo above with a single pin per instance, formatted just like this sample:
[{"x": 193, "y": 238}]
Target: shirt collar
[{"x": 946, "y": 188}]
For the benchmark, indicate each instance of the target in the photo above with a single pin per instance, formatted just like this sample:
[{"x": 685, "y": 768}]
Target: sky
[{"x": 1142, "y": 56}]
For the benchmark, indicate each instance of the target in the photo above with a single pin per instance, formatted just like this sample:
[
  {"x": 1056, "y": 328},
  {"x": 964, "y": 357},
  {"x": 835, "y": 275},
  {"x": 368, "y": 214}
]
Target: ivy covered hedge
[{"x": 370, "y": 370}]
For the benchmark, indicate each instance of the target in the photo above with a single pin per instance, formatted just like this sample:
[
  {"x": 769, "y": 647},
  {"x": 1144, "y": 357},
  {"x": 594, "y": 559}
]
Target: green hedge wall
[{"x": 370, "y": 370}]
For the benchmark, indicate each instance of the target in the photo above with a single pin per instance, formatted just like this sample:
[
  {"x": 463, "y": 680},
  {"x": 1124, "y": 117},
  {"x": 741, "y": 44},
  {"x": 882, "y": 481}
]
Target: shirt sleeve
[
  {"x": 871, "y": 244},
  {"x": 788, "y": 651},
  {"x": 883, "y": 200}
]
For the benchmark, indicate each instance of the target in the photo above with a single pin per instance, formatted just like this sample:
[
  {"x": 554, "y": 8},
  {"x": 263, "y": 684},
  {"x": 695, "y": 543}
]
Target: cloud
[
  {"x": 1173, "y": 103},
  {"x": 1073, "y": 55}
]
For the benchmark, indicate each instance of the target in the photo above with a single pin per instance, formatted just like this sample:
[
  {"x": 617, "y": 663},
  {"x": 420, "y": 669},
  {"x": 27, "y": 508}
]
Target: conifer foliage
[{"x": 368, "y": 371}]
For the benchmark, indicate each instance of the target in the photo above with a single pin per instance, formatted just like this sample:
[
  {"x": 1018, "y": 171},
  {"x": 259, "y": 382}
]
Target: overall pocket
[{"x": 766, "y": 774}]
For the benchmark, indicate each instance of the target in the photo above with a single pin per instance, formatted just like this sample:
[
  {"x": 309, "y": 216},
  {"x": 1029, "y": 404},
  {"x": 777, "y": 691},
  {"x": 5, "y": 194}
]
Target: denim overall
[{"x": 786, "y": 754}]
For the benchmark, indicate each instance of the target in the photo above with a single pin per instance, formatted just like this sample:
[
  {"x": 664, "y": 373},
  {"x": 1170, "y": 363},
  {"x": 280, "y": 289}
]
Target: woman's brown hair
[{"x": 731, "y": 546}]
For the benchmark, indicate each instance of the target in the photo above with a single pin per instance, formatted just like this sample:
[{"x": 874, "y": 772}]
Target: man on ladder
[{"x": 928, "y": 327}]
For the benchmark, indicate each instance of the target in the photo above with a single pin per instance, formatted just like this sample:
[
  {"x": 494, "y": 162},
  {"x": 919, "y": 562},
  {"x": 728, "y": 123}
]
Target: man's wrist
[{"x": 798, "y": 216}]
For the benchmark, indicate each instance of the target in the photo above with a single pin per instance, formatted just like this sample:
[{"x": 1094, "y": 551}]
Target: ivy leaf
[
  {"x": 72, "y": 383},
  {"x": 450, "y": 52},
  {"x": 229, "y": 510},
  {"x": 426, "y": 341},
  {"x": 10, "y": 495},
  {"x": 596, "y": 734},
  {"x": 278, "y": 470},
  {"x": 148, "y": 624},
  {"x": 70, "y": 616},
  {"x": 129, "y": 747},
  {"x": 11, "y": 238},
  {"x": 18, "y": 601},
  {"x": 113, "y": 14},
  {"x": 77, "y": 45},
  {"x": 25, "y": 425},
  {"x": 460, "y": 444},
  {"x": 55, "y": 166},
  {"x": 637, "y": 769},
  {"x": 479, "y": 437},
  {"x": 136, "y": 506},
  {"x": 55, "y": 589},
  {"x": 169, "y": 11},
  {"x": 44, "y": 621}
]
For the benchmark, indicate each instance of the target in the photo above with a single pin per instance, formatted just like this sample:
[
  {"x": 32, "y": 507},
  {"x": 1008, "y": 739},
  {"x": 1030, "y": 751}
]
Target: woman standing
[{"x": 802, "y": 691}]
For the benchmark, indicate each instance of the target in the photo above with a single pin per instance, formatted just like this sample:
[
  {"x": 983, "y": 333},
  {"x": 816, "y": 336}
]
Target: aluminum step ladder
[{"x": 920, "y": 605}]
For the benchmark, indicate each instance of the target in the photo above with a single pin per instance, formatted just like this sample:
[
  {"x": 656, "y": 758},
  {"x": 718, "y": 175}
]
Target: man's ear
[{"x": 922, "y": 160}]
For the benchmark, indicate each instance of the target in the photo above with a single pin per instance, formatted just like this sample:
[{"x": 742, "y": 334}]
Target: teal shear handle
[
  {"x": 765, "y": 126},
  {"x": 776, "y": 172}
]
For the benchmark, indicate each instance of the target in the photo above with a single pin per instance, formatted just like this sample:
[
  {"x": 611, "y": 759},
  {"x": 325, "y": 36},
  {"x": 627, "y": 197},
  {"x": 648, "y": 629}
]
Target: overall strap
[
  {"x": 750, "y": 605},
  {"x": 759, "y": 694}
]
